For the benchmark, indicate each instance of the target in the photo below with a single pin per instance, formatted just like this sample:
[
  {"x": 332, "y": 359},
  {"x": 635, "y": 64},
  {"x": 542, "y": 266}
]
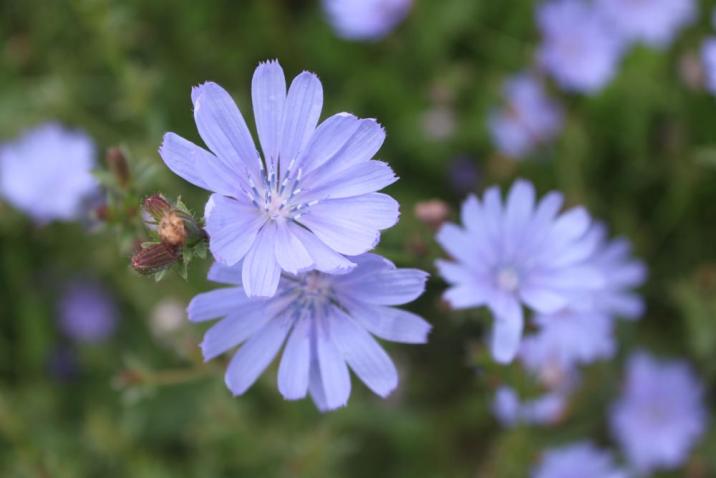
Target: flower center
[
  {"x": 277, "y": 194},
  {"x": 508, "y": 279}
]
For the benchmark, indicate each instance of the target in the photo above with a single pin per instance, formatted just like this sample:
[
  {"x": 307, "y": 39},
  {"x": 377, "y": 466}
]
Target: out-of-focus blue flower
[
  {"x": 580, "y": 459},
  {"x": 708, "y": 58},
  {"x": 464, "y": 174},
  {"x": 329, "y": 320},
  {"x": 544, "y": 410},
  {"x": 309, "y": 201},
  {"x": 87, "y": 313},
  {"x": 529, "y": 119},
  {"x": 654, "y": 22},
  {"x": 567, "y": 339},
  {"x": 366, "y": 19},
  {"x": 518, "y": 252},
  {"x": 660, "y": 414},
  {"x": 577, "y": 48},
  {"x": 46, "y": 172}
]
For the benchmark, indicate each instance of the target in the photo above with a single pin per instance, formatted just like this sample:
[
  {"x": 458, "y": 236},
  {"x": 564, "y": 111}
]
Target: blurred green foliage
[{"x": 639, "y": 155}]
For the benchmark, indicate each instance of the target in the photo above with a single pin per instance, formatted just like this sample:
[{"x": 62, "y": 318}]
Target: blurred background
[{"x": 132, "y": 396}]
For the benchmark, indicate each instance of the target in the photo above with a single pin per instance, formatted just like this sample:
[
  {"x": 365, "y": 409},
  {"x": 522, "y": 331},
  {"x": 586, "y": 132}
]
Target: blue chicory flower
[
  {"x": 578, "y": 48},
  {"x": 329, "y": 320},
  {"x": 529, "y": 118},
  {"x": 365, "y": 19},
  {"x": 660, "y": 414},
  {"x": 518, "y": 252},
  {"x": 708, "y": 59},
  {"x": 87, "y": 312},
  {"x": 654, "y": 22},
  {"x": 544, "y": 410},
  {"x": 309, "y": 201},
  {"x": 580, "y": 459},
  {"x": 47, "y": 172}
]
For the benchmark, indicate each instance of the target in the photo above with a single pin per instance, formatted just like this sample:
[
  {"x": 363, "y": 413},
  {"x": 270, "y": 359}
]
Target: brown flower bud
[
  {"x": 156, "y": 206},
  {"x": 171, "y": 229},
  {"x": 117, "y": 163},
  {"x": 155, "y": 258},
  {"x": 433, "y": 212}
]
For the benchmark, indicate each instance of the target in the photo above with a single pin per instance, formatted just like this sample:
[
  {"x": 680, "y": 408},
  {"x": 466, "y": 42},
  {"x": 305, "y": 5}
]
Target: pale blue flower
[
  {"x": 87, "y": 312},
  {"x": 578, "y": 49},
  {"x": 308, "y": 202},
  {"x": 661, "y": 413},
  {"x": 546, "y": 409},
  {"x": 518, "y": 252},
  {"x": 581, "y": 459},
  {"x": 326, "y": 321},
  {"x": 366, "y": 19},
  {"x": 47, "y": 172},
  {"x": 530, "y": 118},
  {"x": 708, "y": 58},
  {"x": 654, "y": 22}
]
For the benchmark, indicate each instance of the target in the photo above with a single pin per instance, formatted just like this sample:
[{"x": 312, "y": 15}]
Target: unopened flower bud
[
  {"x": 155, "y": 258},
  {"x": 433, "y": 212},
  {"x": 171, "y": 229},
  {"x": 156, "y": 206},
  {"x": 117, "y": 163}
]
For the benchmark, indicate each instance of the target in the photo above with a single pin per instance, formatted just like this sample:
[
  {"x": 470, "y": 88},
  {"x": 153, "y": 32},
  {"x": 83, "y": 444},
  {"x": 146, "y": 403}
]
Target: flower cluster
[{"x": 291, "y": 229}]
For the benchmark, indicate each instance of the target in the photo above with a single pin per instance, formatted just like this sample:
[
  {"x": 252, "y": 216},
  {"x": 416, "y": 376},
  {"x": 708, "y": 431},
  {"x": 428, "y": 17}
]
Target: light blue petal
[
  {"x": 261, "y": 273},
  {"x": 362, "y": 178},
  {"x": 268, "y": 94},
  {"x": 234, "y": 329},
  {"x": 352, "y": 225},
  {"x": 291, "y": 254},
  {"x": 198, "y": 166},
  {"x": 324, "y": 258},
  {"x": 386, "y": 287},
  {"x": 334, "y": 373},
  {"x": 506, "y": 329},
  {"x": 223, "y": 129},
  {"x": 300, "y": 116},
  {"x": 390, "y": 323},
  {"x": 232, "y": 225},
  {"x": 363, "y": 354},
  {"x": 330, "y": 136},
  {"x": 363, "y": 144},
  {"x": 216, "y": 303},
  {"x": 255, "y": 355},
  {"x": 224, "y": 274},
  {"x": 293, "y": 373},
  {"x": 518, "y": 211},
  {"x": 543, "y": 300}
]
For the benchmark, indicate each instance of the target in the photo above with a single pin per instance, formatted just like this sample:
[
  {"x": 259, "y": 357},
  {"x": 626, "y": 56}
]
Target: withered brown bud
[
  {"x": 117, "y": 164},
  {"x": 156, "y": 206},
  {"x": 171, "y": 229},
  {"x": 155, "y": 258},
  {"x": 433, "y": 212}
]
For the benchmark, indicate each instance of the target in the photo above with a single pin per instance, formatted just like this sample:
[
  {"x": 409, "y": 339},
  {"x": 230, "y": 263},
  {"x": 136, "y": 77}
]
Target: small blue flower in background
[
  {"x": 654, "y": 22},
  {"x": 581, "y": 459},
  {"x": 578, "y": 49},
  {"x": 327, "y": 322},
  {"x": 660, "y": 415},
  {"x": 366, "y": 19},
  {"x": 708, "y": 59},
  {"x": 308, "y": 202},
  {"x": 546, "y": 409},
  {"x": 87, "y": 312},
  {"x": 529, "y": 119},
  {"x": 518, "y": 252},
  {"x": 47, "y": 172}
]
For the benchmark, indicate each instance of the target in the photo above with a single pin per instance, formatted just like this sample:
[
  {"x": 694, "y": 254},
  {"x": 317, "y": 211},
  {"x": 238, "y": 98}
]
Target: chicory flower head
[
  {"x": 660, "y": 414},
  {"x": 47, "y": 172},
  {"x": 308, "y": 202},
  {"x": 87, "y": 312},
  {"x": 654, "y": 22},
  {"x": 326, "y": 321},
  {"x": 520, "y": 251},
  {"x": 366, "y": 19},
  {"x": 580, "y": 459},
  {"x": 529, "y": 118},
  {"x": 578, "y": 49}
]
